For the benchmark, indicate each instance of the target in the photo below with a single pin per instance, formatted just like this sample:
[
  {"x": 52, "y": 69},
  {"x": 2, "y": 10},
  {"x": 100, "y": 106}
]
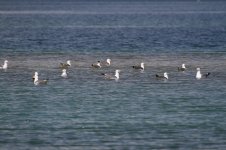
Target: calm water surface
[{"x": 85, "y": 111}]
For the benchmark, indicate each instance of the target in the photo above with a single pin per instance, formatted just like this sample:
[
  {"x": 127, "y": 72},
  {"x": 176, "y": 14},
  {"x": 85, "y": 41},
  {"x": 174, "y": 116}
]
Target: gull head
[
  {"x": 198, "y": 74},
  {"x": 117, "y": 73},
  {"x": 108, "y": 61},
  {"x": 69, "y": 62},
  {"x": 64, "y": 73},
  {"x": 36, "y": 73},
  {"x": 98, "y": 63},
  {"x": 5, "y": 65},
  {"x": 166, "y": 75},
  {"x": 35, "y": 78},
  {"x": 142, "y": 65}
]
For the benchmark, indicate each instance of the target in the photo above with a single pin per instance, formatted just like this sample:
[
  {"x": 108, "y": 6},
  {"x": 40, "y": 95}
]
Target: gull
[
  {"x": 182, "y": 68},
  {"x": 199, "y": 75},
  {"x": 141, "y": 66},
  {"x": 107, "y": 62},
  {"x": 65, "y": 66},
  {"x": 112, "y": 77},
  {"x": 37, "y": 81},
  {"x": 165, "y": 76},
  {"x": 5, "y": 65},
  {"x": 96, "y": 65},
  {"x": 64, "y": 73}
]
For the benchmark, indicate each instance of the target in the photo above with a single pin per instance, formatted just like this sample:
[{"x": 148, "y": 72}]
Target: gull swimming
[
  {"x": 96, "y": 65},
  {"x": 64, "y": 73},
  {"x": 112, "y": 77},
  {"x": 182, "y": 68},
  {"x": 165, "y": 76},
  {"x": 141, "y": 67},
  {"x": 107, "y": 62},
  {"x": 199, "y": 75},
  {"x": 5, "y": 65},
  {"x": 37, "y": 81},
  {"x": 65, "y": 66}
]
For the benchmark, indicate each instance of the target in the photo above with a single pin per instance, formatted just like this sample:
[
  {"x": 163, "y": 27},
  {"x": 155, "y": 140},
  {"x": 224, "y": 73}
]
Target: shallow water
[{"x": 85, "y": 111}]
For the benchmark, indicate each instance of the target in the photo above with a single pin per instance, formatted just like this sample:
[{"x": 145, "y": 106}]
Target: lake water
[{"x": 85, "y": 111}]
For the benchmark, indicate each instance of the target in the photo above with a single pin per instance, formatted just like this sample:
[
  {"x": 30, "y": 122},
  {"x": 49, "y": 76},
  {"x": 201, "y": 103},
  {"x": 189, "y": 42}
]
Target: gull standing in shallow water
[
  {"x": 64, "y": 73},
  {"x": 165, "y": 76},
  {"x": 96, "y": 65},
  {"x": 141, "y": 67},
  {"x": 112, "y": 77},
  {"x": 65, "y": 66},
  {"x": 37, "y": 81},
  {"x": 5, "y": 65},
  {"x": 199, "y": 75},
  {"x": 182, "y": 68}
]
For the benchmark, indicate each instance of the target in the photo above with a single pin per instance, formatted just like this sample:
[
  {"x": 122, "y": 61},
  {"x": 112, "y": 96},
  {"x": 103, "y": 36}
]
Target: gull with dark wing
[
  {"x": 65, "y": 66},
  {"x": 182, "y": 68},
  {"x": 140, "y": 67},
  {"x": 112, "y": 77},
  {"x": 107, "y": 62},
  {"x": 37, "y": 81},
  {"x": 165, "y": 76}
]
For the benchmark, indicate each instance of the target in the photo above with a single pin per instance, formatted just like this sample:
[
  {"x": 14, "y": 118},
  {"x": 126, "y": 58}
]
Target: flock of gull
[{"x": 99, "y": 64}]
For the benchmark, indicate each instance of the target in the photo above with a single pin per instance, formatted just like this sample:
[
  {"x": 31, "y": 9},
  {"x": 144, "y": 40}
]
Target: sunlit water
[{"x": 85, "y": 111}]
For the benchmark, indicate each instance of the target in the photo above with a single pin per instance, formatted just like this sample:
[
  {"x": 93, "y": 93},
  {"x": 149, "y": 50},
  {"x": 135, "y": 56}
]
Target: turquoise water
[{"x": 85, "y": 111}]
